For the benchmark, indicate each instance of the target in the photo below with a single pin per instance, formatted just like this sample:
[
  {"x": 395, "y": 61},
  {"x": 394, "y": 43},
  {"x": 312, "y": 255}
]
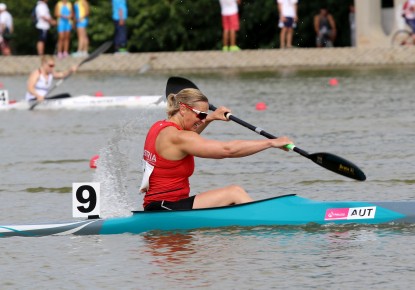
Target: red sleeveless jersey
[{"x": 169, "y": 179}]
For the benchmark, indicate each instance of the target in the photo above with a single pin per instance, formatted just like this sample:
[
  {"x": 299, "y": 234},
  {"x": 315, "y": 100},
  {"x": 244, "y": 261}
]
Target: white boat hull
[{"x": 89, "y": 102}]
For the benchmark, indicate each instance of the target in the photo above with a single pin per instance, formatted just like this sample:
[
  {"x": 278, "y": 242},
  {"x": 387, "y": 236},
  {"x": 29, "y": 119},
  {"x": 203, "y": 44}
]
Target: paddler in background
[
  {"x": 40, "y": 80},
  {"x": 170, "y": 148}
]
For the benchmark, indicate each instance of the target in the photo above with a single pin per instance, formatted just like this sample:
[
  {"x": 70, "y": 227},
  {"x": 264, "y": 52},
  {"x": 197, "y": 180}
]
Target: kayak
[
  {"x": 286, "y": 210},
  {"x": 88, "y": 102}
]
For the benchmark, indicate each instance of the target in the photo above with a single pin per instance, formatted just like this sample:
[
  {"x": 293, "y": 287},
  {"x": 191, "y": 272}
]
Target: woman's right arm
[{"x": 31, "y": 83}]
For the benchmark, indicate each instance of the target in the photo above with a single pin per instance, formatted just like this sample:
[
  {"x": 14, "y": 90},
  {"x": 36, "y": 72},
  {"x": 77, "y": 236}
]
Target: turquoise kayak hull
[{"x": 287, "y": 210}]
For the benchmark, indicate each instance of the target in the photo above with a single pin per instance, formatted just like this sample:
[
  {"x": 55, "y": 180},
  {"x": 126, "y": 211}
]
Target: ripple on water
[
  {"x": 368, "y": 119},
  {"x": 49, "y": 189}
]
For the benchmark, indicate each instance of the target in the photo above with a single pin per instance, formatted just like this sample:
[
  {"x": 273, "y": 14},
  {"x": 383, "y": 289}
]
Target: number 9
[{"x": 91, "y": 199}]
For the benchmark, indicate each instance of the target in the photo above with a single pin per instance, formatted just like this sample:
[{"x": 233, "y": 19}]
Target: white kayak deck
[{"x": 88, "y": 102}]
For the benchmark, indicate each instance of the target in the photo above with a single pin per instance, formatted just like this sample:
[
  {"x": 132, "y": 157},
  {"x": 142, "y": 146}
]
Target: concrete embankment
[{"x": 262, "y": 59}]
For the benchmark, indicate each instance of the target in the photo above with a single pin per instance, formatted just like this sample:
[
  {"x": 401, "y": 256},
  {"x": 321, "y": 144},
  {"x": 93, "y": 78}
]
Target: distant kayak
[
  {"x": 88, "y": 102},
  {"x": 286, "y": 210}
]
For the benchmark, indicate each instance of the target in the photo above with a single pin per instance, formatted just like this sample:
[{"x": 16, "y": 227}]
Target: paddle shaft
[
  {"x": 329, "y": 161},
  {"x": 258, "y": 130},
  {"x": 57, "y": 84}
]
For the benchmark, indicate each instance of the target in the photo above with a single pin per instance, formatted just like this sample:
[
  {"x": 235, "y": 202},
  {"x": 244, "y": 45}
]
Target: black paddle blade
[
  {"x": 338, "y": 165},
  {"x": 103, "y": 48},
  {"x": 176, "y": 84}
]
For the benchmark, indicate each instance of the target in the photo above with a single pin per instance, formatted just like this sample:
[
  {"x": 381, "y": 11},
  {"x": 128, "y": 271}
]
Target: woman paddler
[
  {"x": 170, "y": 148},
  {"x": 40, "y": 80}
]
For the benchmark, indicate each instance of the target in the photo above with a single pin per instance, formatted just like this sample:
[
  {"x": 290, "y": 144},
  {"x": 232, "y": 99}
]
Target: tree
[{"x": 183, "y": 25}]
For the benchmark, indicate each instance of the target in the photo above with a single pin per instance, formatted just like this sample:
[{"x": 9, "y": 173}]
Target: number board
[
  {"x": 86, "y": 199},
  {"x": 4, "y": 97}
]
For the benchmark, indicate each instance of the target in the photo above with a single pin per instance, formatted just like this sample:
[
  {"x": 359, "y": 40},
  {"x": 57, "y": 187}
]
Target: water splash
[{"x": 119, "y": 167}]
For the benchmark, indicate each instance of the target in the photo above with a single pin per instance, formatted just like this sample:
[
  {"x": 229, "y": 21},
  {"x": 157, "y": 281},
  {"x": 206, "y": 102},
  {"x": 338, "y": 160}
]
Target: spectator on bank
[
  {"x": 287, "y": 21},
  {"x": 43, "y": 22},
  {"x": 409, "y": 15},
  {"x": 406, "y": 12},
  {"x": 325, "y": 28},
  {"x": 64, "y": 15},
  {"x": 352, "y": 22},
  {"x": 119, "y": 16},
  {"x": 81, "y": 9},
  {"x": 230, "y": 23},
  {"x": 6, "y": 29}
]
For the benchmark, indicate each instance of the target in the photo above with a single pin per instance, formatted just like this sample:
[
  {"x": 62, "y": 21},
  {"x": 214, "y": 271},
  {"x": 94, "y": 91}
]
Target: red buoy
[
  {"x": 333, "y": 82},
  {"x": 261, "y": 106},
  {"x": 93, "y": 161}
]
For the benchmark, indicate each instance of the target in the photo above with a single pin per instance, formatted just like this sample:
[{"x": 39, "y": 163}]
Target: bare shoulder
[
  {"x": 177, "y": 136},
  {"x": 34, "y": 75},
  {"x": 36, "y": 72}
]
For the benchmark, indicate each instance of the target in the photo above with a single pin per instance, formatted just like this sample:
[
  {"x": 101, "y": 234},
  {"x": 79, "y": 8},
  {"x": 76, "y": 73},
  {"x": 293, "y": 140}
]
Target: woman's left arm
[{"x": 61, "y": 75}]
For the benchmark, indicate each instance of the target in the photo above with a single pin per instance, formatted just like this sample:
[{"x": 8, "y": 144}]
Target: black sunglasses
[{"x": 201, "y": 115}]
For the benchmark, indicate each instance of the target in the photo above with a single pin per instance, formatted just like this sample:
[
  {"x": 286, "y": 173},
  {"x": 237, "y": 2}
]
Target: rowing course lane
[{"x": 367, "y": 118}]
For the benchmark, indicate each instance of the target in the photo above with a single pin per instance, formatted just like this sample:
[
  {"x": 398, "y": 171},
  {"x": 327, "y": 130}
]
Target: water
[{"x": 368, "y": 119}]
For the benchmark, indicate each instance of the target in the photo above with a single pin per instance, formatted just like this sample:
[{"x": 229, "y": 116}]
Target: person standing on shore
[
  {"x": 352, "y": 22},
  {"x": 6, "y": 29},
  {"x": 119, "y": 16},
  {"x": 43, "y": 22},
  {"x": 325, "y": 28},
  {"x": 288, "y": 18},
  {"x": 230, "y": 23},
  {"x": 81, "y": 8},
  {"x": 409, "y": 16},
  {"x": 40, "y": 80},
  {"x": 64, "y": 14}
]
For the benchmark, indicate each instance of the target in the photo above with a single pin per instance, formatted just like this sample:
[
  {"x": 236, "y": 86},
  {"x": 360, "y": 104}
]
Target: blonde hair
[
  {"x": 45, "y": 58},
  {"x": 185, "y": 96}
]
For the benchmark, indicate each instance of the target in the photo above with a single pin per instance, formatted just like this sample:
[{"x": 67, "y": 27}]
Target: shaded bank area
[{"x": 246, "y": 60}]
